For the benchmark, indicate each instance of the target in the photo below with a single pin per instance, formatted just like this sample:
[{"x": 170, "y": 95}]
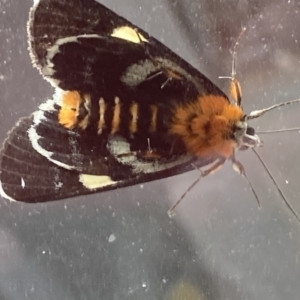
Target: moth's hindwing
[{"x": 28, "y": 176}]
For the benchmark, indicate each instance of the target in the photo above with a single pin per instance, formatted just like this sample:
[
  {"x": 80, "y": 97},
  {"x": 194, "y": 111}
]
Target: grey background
[{"x": 121, "y": 244}]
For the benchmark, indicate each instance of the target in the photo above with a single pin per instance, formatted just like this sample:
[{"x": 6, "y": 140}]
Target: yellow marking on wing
[
  {"x": 153, "y": 123},
  {"x": 93, "y": 182},
  {"x": 134, "y": 117},
  {"x": 69, "y": 110},
  {"x": 129, "y": 34},
  {"x": 116, "y": 116},
  {"x": 102, "y": 108}
]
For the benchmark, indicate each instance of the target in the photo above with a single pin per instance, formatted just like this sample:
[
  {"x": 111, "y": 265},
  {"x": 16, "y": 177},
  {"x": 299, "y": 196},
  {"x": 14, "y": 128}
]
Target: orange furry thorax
[{"x": 206, "y": 126}]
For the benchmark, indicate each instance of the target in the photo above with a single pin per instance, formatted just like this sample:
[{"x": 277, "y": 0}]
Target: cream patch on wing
[
  {"x": 93, "y": 182},
  {"x": 128, "y": 34}
]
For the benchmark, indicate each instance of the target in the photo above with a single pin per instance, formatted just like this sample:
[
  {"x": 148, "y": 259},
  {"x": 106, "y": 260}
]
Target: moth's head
[{"x": 244, "y": 135}]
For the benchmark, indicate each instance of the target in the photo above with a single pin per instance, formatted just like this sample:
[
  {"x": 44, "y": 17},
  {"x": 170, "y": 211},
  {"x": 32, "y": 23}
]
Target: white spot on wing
[
  {"x": 22, "y": 183},
  {"x": 93, "y": 182},
  {"x": 4, "y": 195},
  {"x": 119, "y": 146},
  {"x": 128, "y": 34},
  {"x": 58, "y": 185},
  {"x": 137, "y": 73}
]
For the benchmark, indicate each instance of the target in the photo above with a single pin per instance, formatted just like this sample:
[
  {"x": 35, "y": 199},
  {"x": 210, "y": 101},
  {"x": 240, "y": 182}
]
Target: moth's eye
[{"x": 250, "y": 131}]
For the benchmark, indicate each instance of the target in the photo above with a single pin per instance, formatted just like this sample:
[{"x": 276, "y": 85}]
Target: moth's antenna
[
  {"x": 257, "y": 113},
  {"x": 277, "y": 187},
  {"x": 234, "y": 87},
  {"x": 278, "y": 130},
  {"x": 234, "y": 58}
]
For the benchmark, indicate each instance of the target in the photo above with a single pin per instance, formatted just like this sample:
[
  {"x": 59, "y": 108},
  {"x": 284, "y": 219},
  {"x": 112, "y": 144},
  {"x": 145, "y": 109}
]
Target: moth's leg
[
  {"x": 239, "y": 168},
  {"x": 216, "y": 166}
]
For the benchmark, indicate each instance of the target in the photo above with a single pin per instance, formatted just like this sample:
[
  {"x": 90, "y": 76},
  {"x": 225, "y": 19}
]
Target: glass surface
[{"x": 121, "y": 244}]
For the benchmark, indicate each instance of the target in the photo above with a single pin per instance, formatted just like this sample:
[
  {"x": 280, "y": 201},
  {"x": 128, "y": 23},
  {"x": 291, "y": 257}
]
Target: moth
[{"x": 126, "y": 110}]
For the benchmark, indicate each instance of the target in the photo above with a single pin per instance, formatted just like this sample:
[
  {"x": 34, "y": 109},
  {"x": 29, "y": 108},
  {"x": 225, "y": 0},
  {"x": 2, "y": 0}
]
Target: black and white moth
[{"x": 126, "y": 110}]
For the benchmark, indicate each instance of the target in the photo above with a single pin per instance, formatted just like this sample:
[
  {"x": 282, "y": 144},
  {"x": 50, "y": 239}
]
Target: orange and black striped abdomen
[{"x": 112, "y": 115}]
